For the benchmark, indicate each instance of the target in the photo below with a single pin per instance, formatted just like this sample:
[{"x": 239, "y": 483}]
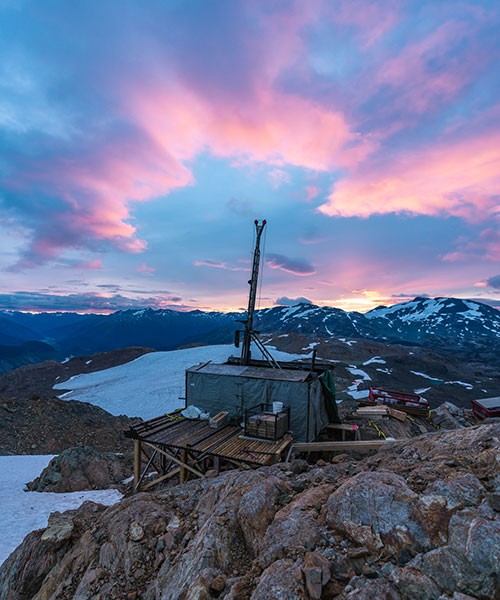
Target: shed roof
[
  {"x": 225, "y": 369},
  {"x": 489, "y": 403}
]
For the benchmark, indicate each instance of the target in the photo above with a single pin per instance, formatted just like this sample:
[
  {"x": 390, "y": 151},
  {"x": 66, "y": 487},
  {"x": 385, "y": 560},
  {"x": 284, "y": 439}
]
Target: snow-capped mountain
[
  {"x": 444, "y": 323},
  {"x": 323, "y": 321}
]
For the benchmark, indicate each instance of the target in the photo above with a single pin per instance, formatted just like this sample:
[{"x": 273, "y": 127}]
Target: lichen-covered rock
[
  {"x": 295, "y": 528},
  {"x": 316, "y": 570},
  {"x": 278, "y": 582},
  {"x": 413, "y": 584},
  {"x": 414, "y": 522},
  {"x": 59, "y": 528},
  {"x": 369, "y": 589},
  {"x": 258, "y": 506},
  {"x": 376, "y": 510}
]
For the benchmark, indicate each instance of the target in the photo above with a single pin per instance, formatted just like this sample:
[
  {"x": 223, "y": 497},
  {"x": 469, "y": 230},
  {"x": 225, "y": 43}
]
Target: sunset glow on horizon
[{"x": 139, "y": 141}]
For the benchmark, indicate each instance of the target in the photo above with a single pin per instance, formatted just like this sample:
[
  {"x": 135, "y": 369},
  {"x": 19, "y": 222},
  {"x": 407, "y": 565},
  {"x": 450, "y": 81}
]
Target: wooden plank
[
  {"x": 412, "y": 410},
  {"x": 397, "y": 414},
  {"x": 342, "y": 426},
  {"x": 373, "y": 409},
  {"x": 160, "y": 479},
  {"x": 342, "y": 446}
]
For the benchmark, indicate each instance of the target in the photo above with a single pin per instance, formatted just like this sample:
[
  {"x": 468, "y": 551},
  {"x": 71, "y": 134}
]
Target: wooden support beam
[
  {"x": 152, "y": 461},
  {"x": 168, "y": 475},
  {"x": 182, "y": 476},
  {"x": 238, "y": 464},
  {"x": 342, "y": 446},
  {"x": 137, "y": 463},
  {"x": 177, "y": 460}
]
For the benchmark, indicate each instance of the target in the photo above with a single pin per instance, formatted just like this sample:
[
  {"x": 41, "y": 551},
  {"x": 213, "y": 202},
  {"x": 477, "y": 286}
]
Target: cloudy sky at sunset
[{"x": 140, "y": 140}]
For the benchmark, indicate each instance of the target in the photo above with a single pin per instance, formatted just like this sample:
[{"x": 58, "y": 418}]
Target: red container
[
  {"x": 383, "y": 396},
  {"x": 486, "y": 407}
]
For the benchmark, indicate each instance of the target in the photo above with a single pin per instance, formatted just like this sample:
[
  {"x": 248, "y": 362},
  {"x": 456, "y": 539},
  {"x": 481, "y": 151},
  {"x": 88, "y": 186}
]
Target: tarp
[
  {"x": 216, "y": 392},
  {"x": 328, "y": 383}
]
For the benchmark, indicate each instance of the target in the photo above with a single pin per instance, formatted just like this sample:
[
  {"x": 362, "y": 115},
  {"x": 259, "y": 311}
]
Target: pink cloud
[
  {"x": 94, "y": 193},
  {"x": 145, "y": 268},
  {"x": 218, "y": 265},
  {"x": 278, "y": 177},
  {"x": 372, "y": 20},
  {"x": 485, "y": 247},
  {"x": 272, "y": 127},
  {"x": 421, "y": 84},
  {"x": 312, "y": 192},
  {"x": 90, "y": 265},
  {"x": 461, "y": 178}
]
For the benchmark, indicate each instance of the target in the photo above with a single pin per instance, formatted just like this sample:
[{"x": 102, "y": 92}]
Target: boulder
[
  {"x": 257, "y": 508},
  {"x": 316, "y": 570},
  {"x": 59, "y": 528},
  {"x": 295, "y": 528},
  {"x": 82, "y": 468},
  {"x": 376, "y": 510},
  {"x": 278, "y": 581}
]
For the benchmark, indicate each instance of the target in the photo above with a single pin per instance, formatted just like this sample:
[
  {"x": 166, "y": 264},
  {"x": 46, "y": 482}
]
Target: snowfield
[
  {"x": 150, "y": 385},
  {"x": 22, "y": 511}
]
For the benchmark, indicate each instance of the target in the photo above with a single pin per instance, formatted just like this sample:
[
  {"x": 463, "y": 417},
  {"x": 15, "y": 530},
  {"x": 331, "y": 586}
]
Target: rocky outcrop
[
  {"x": 82, "y": 468},
  {"x": 417, "y": 521}
]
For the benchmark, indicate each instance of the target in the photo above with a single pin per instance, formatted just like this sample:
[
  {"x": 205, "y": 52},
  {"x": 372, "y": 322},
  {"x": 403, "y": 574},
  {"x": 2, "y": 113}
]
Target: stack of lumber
[{"x": 381, "y": 410}]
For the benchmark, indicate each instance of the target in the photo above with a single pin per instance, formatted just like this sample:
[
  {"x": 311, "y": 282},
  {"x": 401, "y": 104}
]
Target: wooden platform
[{"x": 172, "y": 445}]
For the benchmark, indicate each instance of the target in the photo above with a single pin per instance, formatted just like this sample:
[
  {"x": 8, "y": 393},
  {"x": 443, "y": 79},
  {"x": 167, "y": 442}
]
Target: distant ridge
[{"x": 443, "y": 323}]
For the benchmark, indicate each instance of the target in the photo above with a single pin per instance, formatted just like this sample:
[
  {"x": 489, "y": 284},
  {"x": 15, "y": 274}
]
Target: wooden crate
[{"x": 267, "y": 425}]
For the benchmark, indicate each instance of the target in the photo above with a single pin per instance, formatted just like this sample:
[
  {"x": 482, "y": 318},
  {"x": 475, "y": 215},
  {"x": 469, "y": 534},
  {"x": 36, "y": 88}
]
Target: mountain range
[{"x": 443, "y": 323}]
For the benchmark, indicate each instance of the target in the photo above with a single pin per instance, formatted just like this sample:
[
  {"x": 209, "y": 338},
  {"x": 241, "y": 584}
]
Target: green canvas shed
[{"x": 234, "y": 388}]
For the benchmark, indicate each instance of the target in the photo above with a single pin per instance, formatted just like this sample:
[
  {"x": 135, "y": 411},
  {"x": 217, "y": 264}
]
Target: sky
[{"x": 139, "y": 141}]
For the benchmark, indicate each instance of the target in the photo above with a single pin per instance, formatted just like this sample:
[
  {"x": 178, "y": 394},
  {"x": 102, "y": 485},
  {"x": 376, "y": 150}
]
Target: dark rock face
[
  {"x": 33, "y": 421},
  {"x": 380, "y": 528},
  {"x": 38, "y": 425},
  {"x": 82, "y": 468}
]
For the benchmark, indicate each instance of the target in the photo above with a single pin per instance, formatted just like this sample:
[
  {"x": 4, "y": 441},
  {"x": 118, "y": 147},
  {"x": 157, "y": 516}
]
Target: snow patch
[
  {"x": 422, "y": 390},
  {"x": 363, "y": 374},
  {"x": 22, "y": 511},
  {"x": 150, "y": 385},
  {"x": 425, "y": 376},
  {"x": 358, "y": 394},
  {"x": 468, "y": 386},
  {"x": 375, "y": 359},
  {"x": 311, "y": 346}
]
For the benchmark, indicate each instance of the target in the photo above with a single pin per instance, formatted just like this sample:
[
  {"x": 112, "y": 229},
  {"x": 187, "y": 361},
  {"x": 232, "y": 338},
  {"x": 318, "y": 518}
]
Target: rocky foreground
[{"x": 415, "y": 521}]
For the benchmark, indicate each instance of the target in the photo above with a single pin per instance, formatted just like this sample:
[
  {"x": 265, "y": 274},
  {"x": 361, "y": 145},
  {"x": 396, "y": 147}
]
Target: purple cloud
[
  {"x": 83, "y": 302},
  {"x": 494, "y": 282},
  {"x": 297, "y": 266},
  {"x": 284, "y": 301}
]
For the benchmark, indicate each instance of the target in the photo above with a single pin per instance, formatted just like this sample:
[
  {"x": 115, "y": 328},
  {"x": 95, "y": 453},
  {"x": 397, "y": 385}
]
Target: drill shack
[{"x": 243, "y": 413}]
